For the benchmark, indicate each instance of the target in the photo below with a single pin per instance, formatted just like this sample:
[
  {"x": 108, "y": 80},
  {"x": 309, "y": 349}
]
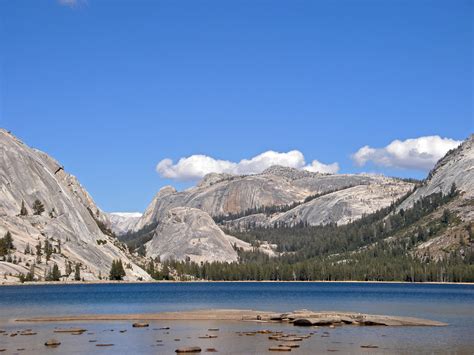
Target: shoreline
[{"x": 108, "y": 282}]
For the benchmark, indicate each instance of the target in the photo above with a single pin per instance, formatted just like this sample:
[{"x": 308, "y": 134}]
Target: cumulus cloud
[
  {"x": 417, "y": 153},
  {"x": 195, "y": 167},
  {"x": 318, "y": 167}
]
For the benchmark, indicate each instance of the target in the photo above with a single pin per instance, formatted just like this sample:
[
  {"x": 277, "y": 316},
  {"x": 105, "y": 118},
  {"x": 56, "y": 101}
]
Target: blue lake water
[{"x": 453, "y": 304}]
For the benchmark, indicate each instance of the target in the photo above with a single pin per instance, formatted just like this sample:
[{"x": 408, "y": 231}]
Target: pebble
[
  {"x": 190, "y": 349},
  {"x": 279, "y": 348},
  {"x": 70, "y": 330},
  {"x": 52, "y": 342},
  {"x": 290, "y": 345},
  {"x": 140, "y": 325}
]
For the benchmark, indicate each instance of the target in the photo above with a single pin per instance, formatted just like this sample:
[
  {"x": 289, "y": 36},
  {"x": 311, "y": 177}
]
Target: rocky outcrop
[
  {"x": 224, "y": 194},
  {"x": 302, "y": 317},
  {"x": 190, "y": 234},
  {"x": 71, "y": 221},
  {"x": 228, "y": 195},
  {"x": 346, "y": 205},
  {"x": 457, "y": 167},
  {"x": 122, "y": 222}
]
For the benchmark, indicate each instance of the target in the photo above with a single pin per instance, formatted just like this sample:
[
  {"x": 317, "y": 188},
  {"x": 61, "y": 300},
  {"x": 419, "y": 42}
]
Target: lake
[{"x": 453, "y": 304}]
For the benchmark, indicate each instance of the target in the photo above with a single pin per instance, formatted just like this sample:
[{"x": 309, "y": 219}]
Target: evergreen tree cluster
[
  {"x": 117, "y": 272},
  {"x": 6, "y": 244}
]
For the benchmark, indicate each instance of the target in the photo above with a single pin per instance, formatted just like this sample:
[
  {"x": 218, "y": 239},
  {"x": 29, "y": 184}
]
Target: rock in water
[
  {"x": 140, "y": 325},
  {"x": 52, "y": 343},
  {"x": 190, "y": 349},
  {"x": 189, "y": 233}
]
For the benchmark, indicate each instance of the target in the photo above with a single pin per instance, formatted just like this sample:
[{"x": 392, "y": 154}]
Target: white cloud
[
  {"x": 418, "y": 153},
  {"x": 318, "y": 167},
  {"x": 195, "y": 167}
]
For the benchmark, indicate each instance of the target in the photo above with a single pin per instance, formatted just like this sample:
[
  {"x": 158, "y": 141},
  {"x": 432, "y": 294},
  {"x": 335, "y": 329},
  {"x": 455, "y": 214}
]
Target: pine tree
[
  {"x": 38, "y": 252},
  {"x": 56, "y": 274},
  {"x": 117, "y": 271},
  {"x": 77, "y": 272},
  {"x": 30, "y": 276},
  {"x": 68, "y": 267},
  {"x": 48, "y": 249},
  {"x": 446, "y": 217},
  {"x": 23, "y": 210},
  {"x": 6, "y": 244},
  {"x": 454, "y": 190},
  {"x": 38, "y": 208},
  {"x": 53, "y": 274}
]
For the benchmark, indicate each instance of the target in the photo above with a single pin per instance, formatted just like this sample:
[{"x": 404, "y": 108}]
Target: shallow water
[{"x": 453, "y": 304}]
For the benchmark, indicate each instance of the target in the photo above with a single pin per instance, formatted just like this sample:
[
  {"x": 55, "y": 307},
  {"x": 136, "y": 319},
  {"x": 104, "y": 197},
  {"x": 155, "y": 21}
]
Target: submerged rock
[
  {"x": 140, "y": 325},
  {"x": 279, "y": 348},
  {"x": 52, "y": 343},
  {"x": 190, "y": 349}
]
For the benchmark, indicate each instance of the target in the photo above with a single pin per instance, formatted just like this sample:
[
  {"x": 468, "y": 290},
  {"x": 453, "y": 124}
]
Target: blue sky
[{"x": 110, "y": 88}]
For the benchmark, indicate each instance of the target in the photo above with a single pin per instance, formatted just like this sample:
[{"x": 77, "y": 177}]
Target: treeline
[
  {"x": 375, "y": 265},
  {"x": 269, "y": 210},
  {"x": 356, "y": 251}
]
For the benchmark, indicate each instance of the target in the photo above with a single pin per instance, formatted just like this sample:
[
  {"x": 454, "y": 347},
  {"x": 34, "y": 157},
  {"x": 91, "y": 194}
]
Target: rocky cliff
[
  {"x": 122, "y": 222},
  {"x": 190, "y": 234},
  {"x": 71, "y": 222},
  {"x": 457, "y": 167},
  {"x": 346, "y": 197}
]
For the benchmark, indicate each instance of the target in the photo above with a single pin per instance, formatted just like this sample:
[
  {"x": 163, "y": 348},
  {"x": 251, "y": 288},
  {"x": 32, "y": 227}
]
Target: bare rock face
[
  {"x": 70, "y": 221},
  {"x": 457, "y": 166},
  {"x": 227, "y": 195},
  {"x": 346, "y": 205},
  {"x": 224, "y": 194},
  {"x": 122, "y": 222},
  {"x": 189, "y": 233}
]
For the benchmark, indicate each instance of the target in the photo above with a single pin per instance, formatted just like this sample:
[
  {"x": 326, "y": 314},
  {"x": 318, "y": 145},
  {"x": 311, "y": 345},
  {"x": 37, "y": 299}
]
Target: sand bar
[{"x": 298, "y": 318}]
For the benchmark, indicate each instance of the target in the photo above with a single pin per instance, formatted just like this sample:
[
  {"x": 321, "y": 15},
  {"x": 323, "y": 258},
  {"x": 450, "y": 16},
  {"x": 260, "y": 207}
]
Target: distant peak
[
  {"x": 214, "y": 178},
  {"x": 287, "y": 172},
  {"x": 127, "y": 214}
]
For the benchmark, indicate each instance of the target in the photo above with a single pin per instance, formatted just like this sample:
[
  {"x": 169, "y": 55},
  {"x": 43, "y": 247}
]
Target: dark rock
[
  {"x": 52, "y": 342},
  {"x": 189, "y": 349},
  {"x": 140, "y": 325},
  {"x": 279, "y": 348}
]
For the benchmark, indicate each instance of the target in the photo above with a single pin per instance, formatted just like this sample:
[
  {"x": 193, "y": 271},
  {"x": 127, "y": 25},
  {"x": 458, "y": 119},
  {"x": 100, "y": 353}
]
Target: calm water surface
[{"x": 453, "y": 304}]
